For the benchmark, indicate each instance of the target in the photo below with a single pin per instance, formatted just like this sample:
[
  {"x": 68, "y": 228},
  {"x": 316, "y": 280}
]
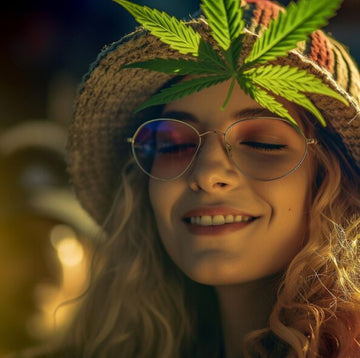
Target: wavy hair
[
  {"x": 139, "y": 304},
  {"x": 317, "y": 312}
]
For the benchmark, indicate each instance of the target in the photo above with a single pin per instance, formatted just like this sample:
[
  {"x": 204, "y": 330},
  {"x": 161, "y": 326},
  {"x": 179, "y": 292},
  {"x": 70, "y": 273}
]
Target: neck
[{"x": 244, "y": 308}]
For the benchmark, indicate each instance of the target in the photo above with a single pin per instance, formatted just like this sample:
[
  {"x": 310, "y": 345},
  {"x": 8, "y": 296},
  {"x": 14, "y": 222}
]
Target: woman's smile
[{"x": 217, "y": 220}]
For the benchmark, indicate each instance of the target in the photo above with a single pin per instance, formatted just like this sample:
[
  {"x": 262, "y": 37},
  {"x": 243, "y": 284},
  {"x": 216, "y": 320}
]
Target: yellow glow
[
  {"x": 54, "y": 310},
  {"x": 70, "y": 251}
]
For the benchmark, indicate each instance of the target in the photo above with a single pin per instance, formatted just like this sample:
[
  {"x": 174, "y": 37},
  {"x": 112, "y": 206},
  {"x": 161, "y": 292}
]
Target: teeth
[
  {"x": 218, "y": 220},
  {"x": 207, "y": 220}
]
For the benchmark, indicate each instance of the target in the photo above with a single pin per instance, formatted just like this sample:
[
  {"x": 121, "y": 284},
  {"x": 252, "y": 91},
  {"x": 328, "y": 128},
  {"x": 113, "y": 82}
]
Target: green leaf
[
  {"x": 225, "y": 20},
  {"x": 230, "y": 91},
  {"x": 300, "y": 99},
  {"x": 169, "y": 29},
  {"x": 208, "y": 54},
  {"x": 233, "y": 53},
  {"x": 291, "y": 27},
  {"x": 177, "y": 66},
  {"x": 288, "y": 82},
  {"x": 182, "y": 89},
  {"x": 265, "y": 100},
  {"x": 292, "y": 77}
]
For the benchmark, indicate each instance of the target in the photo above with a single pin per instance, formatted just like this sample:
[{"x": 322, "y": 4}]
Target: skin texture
[{"x": 257, "y": 250}]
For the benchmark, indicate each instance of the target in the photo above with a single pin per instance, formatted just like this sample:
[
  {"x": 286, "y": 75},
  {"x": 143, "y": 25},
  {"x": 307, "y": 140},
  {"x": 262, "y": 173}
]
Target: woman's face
[{"x": 274, "y": 213}]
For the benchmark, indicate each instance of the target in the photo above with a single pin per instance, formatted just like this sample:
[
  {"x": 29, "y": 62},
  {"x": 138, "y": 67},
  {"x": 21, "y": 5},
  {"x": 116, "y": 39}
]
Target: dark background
[{"x": 46, "y": 47}]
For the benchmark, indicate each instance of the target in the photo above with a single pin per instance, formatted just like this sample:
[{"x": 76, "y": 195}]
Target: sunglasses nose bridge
[{"x": 214, "y": 131}]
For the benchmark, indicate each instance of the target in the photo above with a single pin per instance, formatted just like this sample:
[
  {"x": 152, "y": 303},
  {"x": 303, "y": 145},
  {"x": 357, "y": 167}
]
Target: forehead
[{"x": 206, "y": 105}]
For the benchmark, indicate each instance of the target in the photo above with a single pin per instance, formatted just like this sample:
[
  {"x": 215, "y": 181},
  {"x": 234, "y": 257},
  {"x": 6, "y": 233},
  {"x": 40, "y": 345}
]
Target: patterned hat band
[{"x": 109, "y": 95}]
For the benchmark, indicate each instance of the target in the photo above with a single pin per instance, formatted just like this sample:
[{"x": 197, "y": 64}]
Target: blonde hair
[{"x": 140, "y": 305}]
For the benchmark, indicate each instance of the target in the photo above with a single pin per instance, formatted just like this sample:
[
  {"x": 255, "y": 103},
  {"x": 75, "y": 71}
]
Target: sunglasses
[{"x": 263, "y": 148}]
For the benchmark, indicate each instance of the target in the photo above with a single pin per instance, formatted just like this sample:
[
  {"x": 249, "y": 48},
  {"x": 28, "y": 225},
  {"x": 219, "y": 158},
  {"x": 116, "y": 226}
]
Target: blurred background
[{"x": 45, "y": 237}]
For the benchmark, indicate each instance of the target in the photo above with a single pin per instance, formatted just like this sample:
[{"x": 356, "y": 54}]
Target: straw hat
[{"x": 104, "y": 110}]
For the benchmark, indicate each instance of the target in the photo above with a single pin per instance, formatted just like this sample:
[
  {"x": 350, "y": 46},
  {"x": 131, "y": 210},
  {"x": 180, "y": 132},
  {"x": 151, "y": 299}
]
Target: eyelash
[
  {"x": 264, "y": 146},
  {"x": 175, "y": 147}
]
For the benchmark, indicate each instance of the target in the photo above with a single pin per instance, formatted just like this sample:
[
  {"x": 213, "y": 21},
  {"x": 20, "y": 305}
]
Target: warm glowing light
[
  {"x": 55, "y": 305},
  {"x": 70, "y": 251}
]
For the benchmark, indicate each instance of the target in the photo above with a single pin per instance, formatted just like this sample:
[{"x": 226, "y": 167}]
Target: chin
[{"x": 221, "y": 275}]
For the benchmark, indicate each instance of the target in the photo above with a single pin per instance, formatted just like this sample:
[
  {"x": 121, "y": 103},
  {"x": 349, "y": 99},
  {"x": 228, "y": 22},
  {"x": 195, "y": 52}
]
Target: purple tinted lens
[{"x": 165, "y": 148}]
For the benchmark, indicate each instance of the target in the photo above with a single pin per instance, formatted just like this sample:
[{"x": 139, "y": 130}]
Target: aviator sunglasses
[{"x": 263, "y": 148}]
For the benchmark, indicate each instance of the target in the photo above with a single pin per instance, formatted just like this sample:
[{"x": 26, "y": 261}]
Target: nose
[{"x": 212, "y": 170}]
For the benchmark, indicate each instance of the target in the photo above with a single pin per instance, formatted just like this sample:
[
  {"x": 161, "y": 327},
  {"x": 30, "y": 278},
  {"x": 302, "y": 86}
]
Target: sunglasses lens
[
  {"x": 265, "y": 148},
  {"x": 165, "y": 148}
]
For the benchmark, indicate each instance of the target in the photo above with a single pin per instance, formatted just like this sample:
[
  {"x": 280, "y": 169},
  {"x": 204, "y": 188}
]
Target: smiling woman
[
  {"x": 267, "y": 216},
  {"x": 222, "y": 161}
]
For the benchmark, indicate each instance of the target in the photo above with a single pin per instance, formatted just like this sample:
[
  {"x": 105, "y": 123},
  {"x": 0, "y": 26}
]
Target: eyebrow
[
  {"x": 181, "y": 115},
  {"x": 252, "y": 112},
  {"x": 243, "y": 113}
]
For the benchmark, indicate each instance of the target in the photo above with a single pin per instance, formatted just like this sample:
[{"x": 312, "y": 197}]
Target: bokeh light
[{"x": 69, "y": 249}]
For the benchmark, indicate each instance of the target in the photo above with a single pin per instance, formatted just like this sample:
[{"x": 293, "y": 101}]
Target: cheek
[
  {"x": 290, "y": 203},
  {"x": 298, "y": 188},
  {"x": 158, "y": 192}
]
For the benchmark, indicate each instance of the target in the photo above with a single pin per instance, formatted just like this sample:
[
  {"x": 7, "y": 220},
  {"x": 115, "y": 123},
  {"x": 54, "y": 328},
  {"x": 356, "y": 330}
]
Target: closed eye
[
  {"x": 264, "y": 146},
  {"x": 174, "y": 148}
]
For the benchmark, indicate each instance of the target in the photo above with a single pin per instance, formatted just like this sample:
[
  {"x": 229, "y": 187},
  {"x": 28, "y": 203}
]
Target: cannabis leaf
[
  {"x": 233, "y": 53},
  {"x": 292, "y": 26},
  {"x": 291, "y": 77},
  {"x": 169, "y": 29},
  {"x": 208, "y": 55},
  {"x": 182, "y": 89},
  {"x": 265, "y": 99},
  {"x": 179, "y": 66},
  {"x": 210, "y": 66},
  {"x": 225, "y": 20},
  {"x": 288, "y": 82}
]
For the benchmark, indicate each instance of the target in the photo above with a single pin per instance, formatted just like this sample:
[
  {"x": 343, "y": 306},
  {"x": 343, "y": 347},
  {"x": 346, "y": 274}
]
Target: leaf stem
[{"x": 229, "y": 93}]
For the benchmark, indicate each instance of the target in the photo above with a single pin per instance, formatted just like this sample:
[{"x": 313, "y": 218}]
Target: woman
[{"x": 227, "y": 232}]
